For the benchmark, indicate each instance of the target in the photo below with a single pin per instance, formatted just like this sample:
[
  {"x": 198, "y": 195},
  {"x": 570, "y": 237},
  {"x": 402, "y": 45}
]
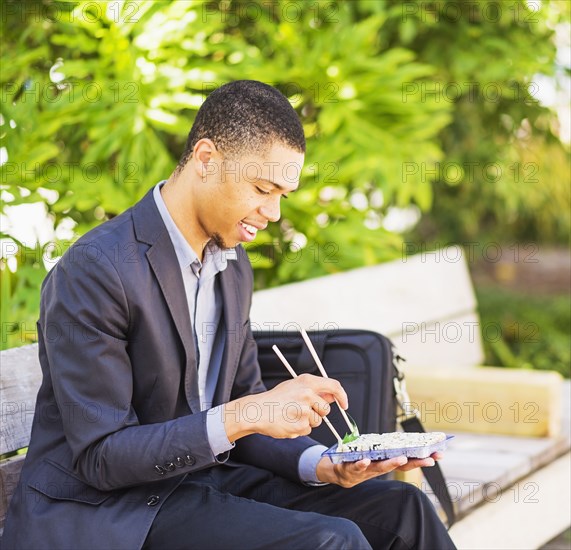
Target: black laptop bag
[{"x": 361, "y": 360}]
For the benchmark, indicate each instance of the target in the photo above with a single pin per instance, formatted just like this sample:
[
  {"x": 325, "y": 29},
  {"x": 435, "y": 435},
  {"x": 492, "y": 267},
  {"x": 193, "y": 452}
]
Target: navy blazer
[{"x": 118, "y": 424}]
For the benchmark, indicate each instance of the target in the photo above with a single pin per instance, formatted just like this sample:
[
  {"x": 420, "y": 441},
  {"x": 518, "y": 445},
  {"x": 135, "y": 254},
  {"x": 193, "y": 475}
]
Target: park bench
[{"x": 426, "y": 304}]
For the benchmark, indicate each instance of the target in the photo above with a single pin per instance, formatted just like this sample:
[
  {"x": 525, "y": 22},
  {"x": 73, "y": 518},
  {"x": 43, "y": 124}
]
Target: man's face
[{"x": 241, "y": 197}]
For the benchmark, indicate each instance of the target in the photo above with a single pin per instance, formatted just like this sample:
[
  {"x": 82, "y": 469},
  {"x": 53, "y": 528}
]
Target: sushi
[
  {"x": 393, "y": 440},
  {"x": 388, "y": 445}
]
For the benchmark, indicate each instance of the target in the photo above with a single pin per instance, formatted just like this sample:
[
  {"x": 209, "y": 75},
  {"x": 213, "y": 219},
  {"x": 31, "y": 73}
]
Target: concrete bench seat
[{"x": 483, "y": 468}]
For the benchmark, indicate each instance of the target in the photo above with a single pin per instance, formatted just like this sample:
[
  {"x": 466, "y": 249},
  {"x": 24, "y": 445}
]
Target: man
[{"x": 143, "y": 433}]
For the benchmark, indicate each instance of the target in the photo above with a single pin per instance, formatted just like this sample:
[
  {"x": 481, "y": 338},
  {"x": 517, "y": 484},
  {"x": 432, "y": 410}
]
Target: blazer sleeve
[
  {"x": 83, "y": 329},
  {"x": 280, "y": 456}
]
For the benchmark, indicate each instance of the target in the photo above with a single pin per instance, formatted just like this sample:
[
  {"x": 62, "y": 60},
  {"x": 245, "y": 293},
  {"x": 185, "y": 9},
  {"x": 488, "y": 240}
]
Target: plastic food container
[{"x": 382, "y": 454}]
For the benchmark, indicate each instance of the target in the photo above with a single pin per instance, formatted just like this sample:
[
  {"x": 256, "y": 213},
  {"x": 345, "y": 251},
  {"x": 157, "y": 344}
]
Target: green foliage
[
  {"x": 20, "y": 296},
  {"x": 526, "y": 331},
  {"x": 505, "y": 170},
  {"x": 98, "y": 98},
  {"x": 100, "y": 102}
]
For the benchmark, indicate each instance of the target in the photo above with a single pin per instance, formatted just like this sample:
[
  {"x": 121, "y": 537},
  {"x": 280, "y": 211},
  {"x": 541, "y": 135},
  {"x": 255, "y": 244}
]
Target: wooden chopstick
[
  {"x": 324, "y": 374},
  {"x": 294, "y": 375}
]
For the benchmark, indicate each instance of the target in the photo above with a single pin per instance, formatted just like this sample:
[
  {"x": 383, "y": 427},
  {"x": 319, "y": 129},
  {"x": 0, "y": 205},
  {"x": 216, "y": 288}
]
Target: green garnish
[
  {"x": 349, "y": 437},
  {"x": 354, "y": 432}
]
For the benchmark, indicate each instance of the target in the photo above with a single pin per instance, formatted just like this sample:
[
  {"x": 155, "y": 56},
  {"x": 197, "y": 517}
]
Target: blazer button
[
  {"x": 160, "y": 470},
  {"x": 169, "y": 466},
  {"x": 179, "y": 462},
  {"x": 189, "y": 460},
  {"x": 153, "y": 500}
]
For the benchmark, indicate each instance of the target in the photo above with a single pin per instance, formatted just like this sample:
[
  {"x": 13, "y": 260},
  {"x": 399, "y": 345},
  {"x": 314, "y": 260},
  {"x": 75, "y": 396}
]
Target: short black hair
[{"x": 245, "y": 116}]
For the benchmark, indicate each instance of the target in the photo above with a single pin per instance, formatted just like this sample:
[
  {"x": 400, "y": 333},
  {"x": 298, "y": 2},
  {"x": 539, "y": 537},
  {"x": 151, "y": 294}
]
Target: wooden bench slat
[
  {"x": 19, "y": 384},
  {"x": 9, "y": 475}
]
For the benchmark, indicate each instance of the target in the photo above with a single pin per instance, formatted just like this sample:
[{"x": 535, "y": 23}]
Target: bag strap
[
  {"x": 410, "y": 422},
  {"x": 433, "y": 474}
]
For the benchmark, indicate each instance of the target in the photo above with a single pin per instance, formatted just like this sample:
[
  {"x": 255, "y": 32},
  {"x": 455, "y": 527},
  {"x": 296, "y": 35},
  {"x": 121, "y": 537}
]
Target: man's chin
[{"x": 217, "y": 239}]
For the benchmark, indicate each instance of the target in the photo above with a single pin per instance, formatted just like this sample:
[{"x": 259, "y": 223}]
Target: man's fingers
[
  {"x": 358, "y": 467},
  {"x": 315, "y": 420},
  {"x": 393, "y": 463},
  {"x": 377, "y": 467},
  {"x": 384, "y": 466},
  {"x": 321, "y": 407},
  {"x": 324, "y": 386},
  {"x": 418, "y": 463},
  {"x": 353, "y": 473}
]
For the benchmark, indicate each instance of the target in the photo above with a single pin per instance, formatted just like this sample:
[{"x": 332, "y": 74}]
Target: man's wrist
[
  {"x": 307, "y": 464},
  {"x": 325, "y": 471},
  {"x": 235, "y": 423}
]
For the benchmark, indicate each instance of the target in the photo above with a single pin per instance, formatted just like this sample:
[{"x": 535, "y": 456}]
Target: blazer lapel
[{"x": 150, "y": 228}]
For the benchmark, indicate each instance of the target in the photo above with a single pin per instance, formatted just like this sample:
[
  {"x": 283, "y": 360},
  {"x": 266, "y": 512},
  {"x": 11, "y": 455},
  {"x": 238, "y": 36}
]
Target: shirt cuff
[
  {"x": 217, "y": 438},
  {"x": 307, "y": 465}
]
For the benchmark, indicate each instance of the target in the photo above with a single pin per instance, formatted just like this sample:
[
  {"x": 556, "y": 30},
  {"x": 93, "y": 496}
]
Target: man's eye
[{"x": 262, "y": 192}]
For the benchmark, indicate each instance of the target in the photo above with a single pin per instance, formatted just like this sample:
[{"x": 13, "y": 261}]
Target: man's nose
[{"x": 271, "y": 210}]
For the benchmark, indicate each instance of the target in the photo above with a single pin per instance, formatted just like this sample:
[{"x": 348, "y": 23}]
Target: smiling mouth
[
  {"x": 247, "y": 232},
  {"x": 249, "y": 228}
]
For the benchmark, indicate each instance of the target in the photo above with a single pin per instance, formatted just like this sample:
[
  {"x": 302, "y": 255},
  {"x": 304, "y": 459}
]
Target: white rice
[{"x": 393, "y": 440}]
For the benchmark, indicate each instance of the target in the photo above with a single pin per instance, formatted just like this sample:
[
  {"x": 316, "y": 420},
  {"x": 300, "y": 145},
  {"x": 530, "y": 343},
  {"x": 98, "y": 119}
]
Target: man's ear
[{"x": 201, "y": 158}]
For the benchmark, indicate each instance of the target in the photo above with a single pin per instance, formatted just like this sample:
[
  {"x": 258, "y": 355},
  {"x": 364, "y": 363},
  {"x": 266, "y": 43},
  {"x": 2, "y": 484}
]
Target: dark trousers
[{"x": 231, "y": 507}]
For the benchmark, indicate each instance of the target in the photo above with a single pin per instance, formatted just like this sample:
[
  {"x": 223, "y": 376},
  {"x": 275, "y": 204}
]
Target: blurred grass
[{"x": 523, "y": 330}]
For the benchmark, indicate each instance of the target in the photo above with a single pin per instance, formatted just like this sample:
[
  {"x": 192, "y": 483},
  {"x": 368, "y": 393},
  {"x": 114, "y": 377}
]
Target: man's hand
[
  {"x": 349, "y": 474},
  {"x": 291, "y": 409}
]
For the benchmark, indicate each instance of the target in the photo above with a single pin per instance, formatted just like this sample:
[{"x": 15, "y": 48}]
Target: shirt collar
[{"x": 186, "y": 256}]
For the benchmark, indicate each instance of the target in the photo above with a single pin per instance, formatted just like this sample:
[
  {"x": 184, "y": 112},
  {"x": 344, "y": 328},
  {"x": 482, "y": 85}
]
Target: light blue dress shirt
[{"x": 205, "y": 307}]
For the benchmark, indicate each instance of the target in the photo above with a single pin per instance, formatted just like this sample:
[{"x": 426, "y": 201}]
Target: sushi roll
[
  {"x": 389, "y": 445},
  {"x": 392, "y": 440}
]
